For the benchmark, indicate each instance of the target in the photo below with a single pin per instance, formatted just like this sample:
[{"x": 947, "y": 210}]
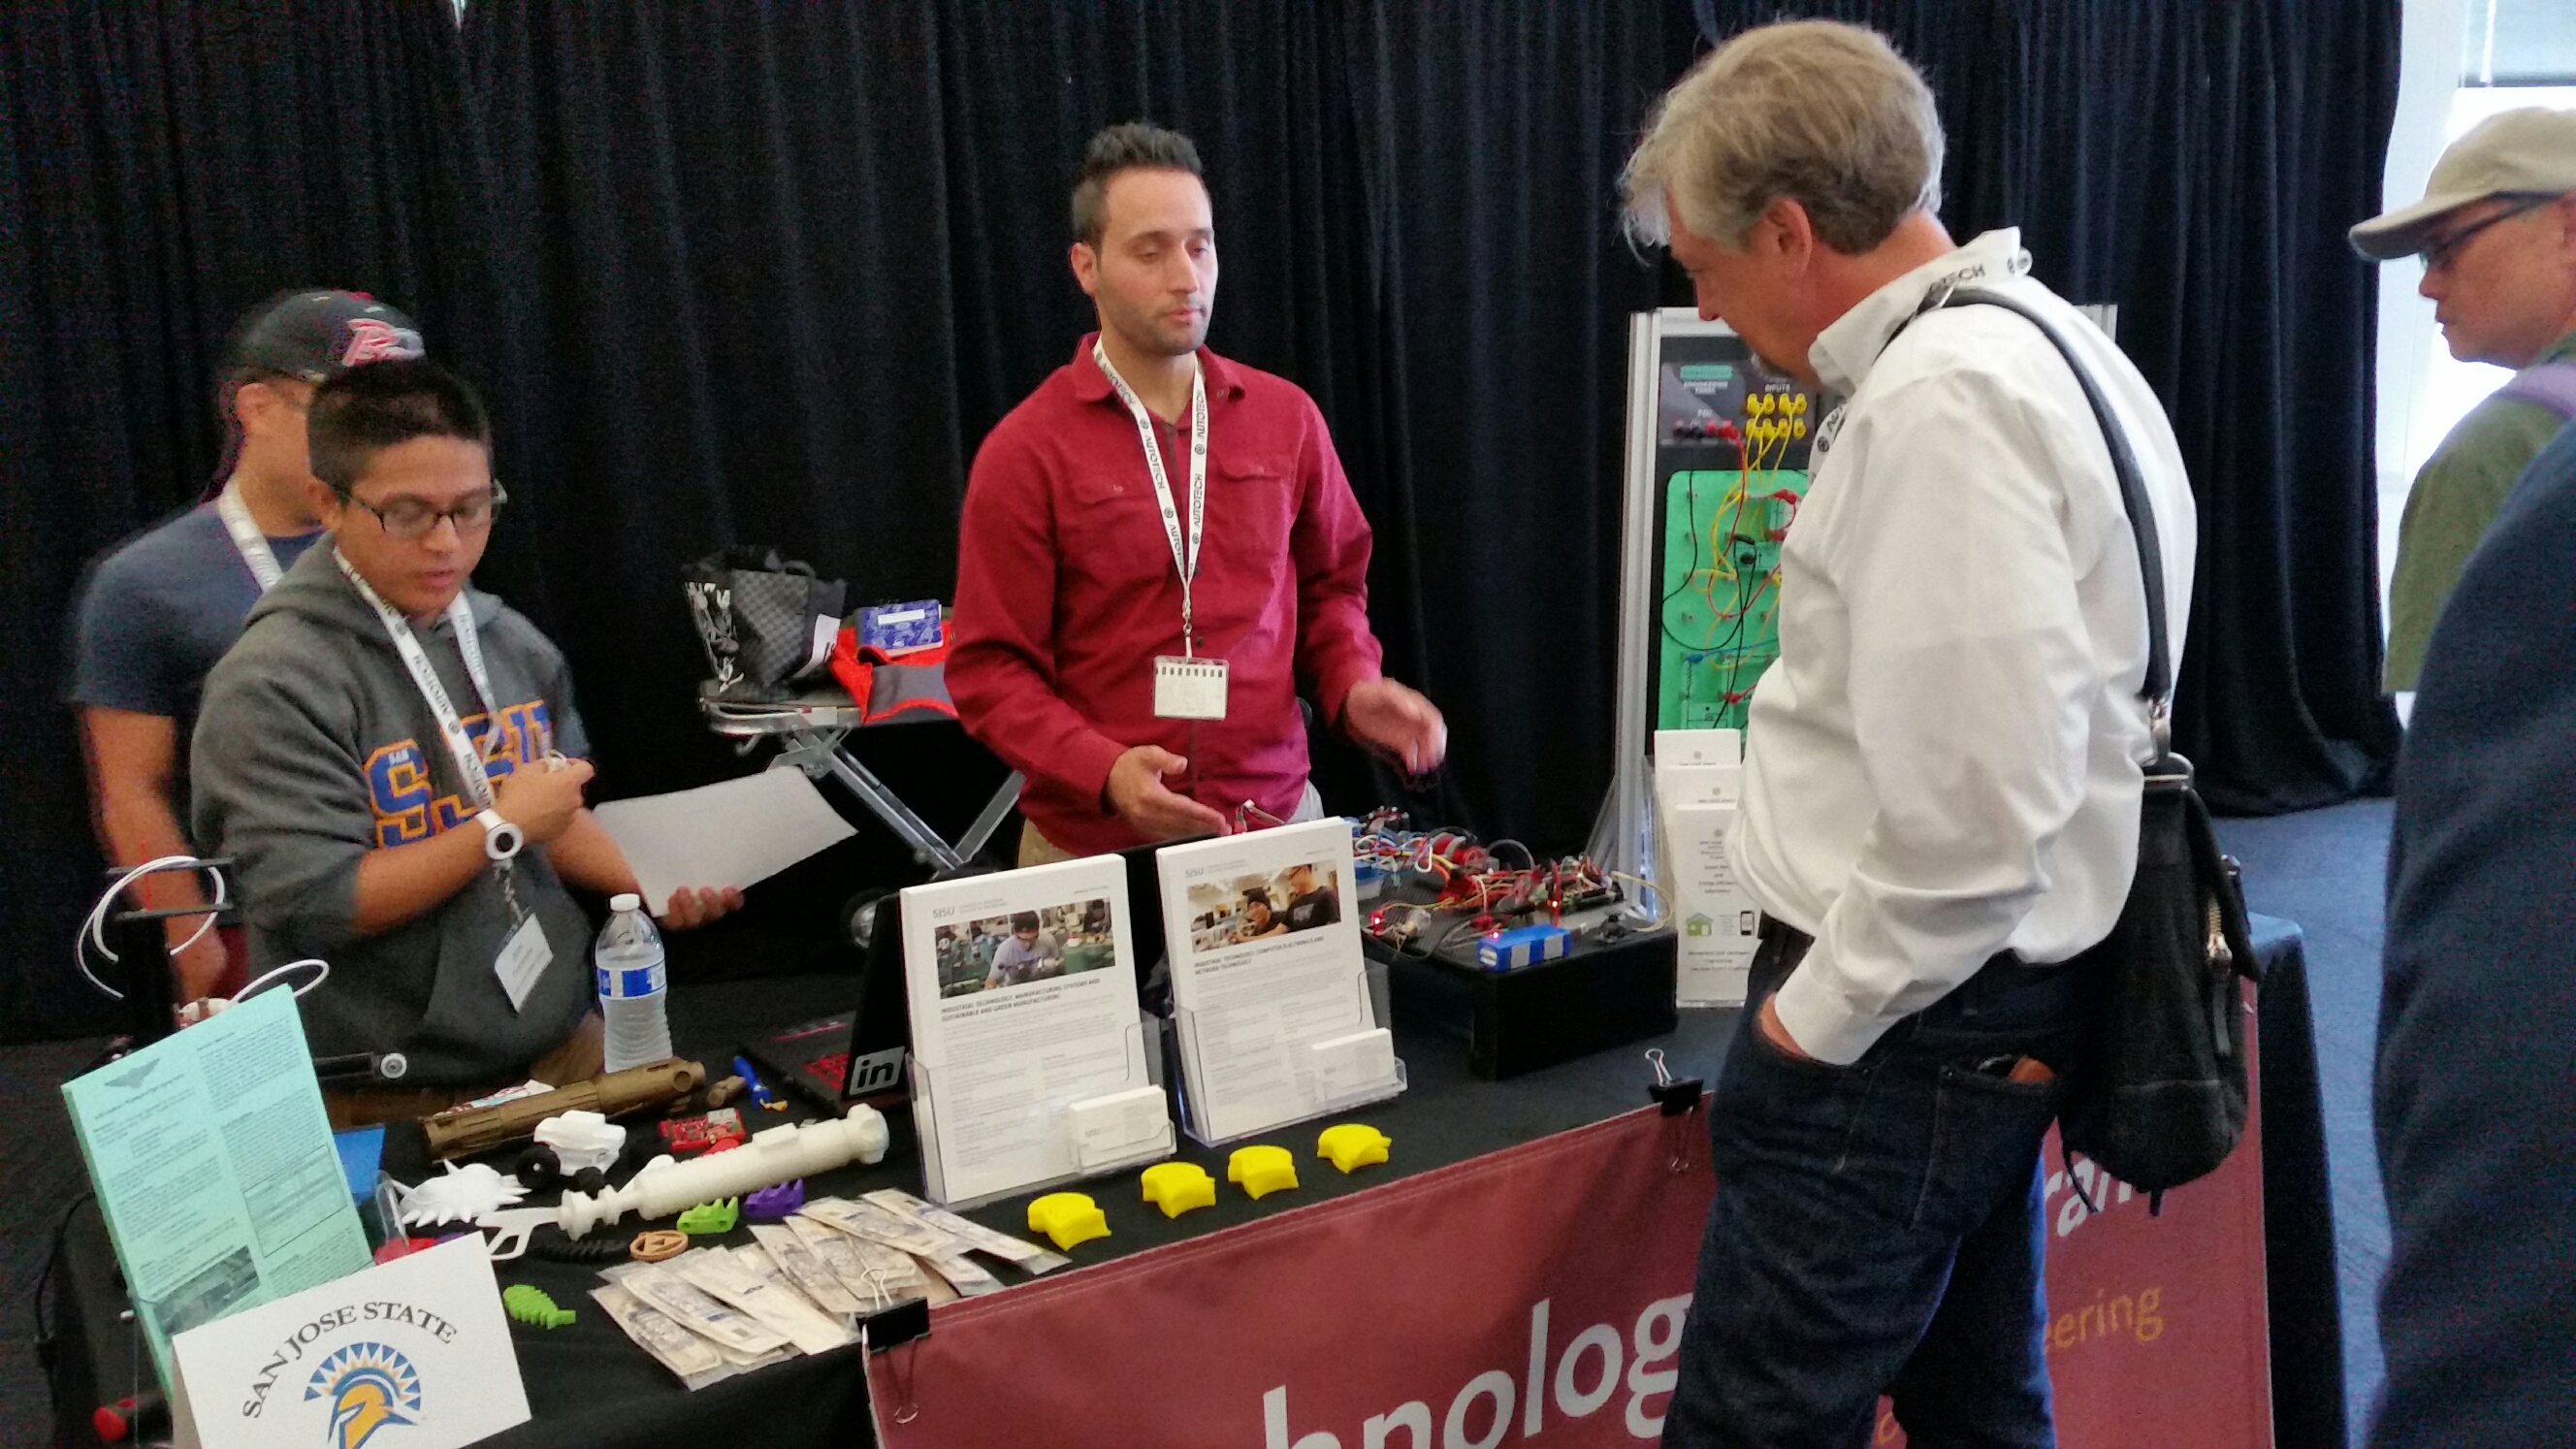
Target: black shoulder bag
[{"x": 2161, "y": 1098}]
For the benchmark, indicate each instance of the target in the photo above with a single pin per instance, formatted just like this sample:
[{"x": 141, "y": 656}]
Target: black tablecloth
[{"x": 588, "y": 1385}]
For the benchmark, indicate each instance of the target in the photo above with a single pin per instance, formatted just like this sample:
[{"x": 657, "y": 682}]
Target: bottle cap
[{"x": 626, "y": 901}]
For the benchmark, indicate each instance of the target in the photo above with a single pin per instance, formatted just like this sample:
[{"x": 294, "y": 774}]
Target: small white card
[
  {"x": 1107, "y": 1129},
  {"x": 1346, "y": 1066},
  {"x": 1188, "y": 688},
  {"x": 419, "y": 1343},
  {"x": 524, "y": 958}
]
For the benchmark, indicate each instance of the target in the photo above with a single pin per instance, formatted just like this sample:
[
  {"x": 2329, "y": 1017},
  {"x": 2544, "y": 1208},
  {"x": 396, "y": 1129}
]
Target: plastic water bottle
[{"x": 632, "y": 986}]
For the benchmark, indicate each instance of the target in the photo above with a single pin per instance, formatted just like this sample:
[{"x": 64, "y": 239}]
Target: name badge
[
  {"x": 1188, "y": 688},
  {"x": 524, "y": 958}
]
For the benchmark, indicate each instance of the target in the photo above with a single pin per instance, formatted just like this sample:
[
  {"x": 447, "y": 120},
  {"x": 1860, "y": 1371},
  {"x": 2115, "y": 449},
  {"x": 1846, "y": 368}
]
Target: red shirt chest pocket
[
  {"x": 1252, "y": 509},
  {"x": 1110, "y": 534}
]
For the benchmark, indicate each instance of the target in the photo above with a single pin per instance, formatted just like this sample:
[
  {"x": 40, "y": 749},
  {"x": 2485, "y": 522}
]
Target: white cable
[
  {"x": 1644, "y": 888},
  {"x": 321, "y": 973},
  {"x": 94, "y": 930}
]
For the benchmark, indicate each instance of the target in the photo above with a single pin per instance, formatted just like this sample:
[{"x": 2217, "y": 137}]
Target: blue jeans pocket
[
  {"x": 1771, "y": 1107},
  {"x": 1986, "y": 1131}
]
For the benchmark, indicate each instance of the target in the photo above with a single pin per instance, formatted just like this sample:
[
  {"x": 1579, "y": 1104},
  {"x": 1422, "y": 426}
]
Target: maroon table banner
[{"x": 1535, "y": 1296}]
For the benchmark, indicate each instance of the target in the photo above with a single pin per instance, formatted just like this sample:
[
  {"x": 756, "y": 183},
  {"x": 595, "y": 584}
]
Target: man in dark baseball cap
[
  {"x": 2497, "y": 234},
  {"x": 158, "y": 611}
]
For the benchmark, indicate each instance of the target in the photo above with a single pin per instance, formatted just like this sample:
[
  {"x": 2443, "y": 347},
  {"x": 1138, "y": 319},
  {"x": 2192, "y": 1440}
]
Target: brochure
[
  {"x": 1028, "y": 1050},
  {"x": 1269, "y": 988},
  {"x": 1699, "y": 781},
  {"x": 215, "y": 1169}
]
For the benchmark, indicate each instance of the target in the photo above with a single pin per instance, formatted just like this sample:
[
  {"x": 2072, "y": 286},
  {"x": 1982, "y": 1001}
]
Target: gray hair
[
  {"x": 1126, "y": 147},
  {"x": 1824, "y": 114}
]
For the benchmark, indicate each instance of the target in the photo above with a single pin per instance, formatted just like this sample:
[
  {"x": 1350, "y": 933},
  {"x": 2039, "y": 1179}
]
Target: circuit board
[{"x": 1731, "y": 457}]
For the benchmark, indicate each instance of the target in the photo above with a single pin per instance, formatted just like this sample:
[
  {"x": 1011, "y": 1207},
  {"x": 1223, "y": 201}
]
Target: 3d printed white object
[
  {"x": 459, "y": 1195},
  {"x": 582, "y": 1139},
  {"x": 778, "y": 1155}
]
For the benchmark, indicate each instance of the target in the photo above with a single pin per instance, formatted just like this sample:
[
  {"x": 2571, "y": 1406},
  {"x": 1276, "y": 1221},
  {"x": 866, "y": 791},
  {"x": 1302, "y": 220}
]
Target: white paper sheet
[
  {"x": 1266, "y": 963},
  {"x": 730, "y": 834}
]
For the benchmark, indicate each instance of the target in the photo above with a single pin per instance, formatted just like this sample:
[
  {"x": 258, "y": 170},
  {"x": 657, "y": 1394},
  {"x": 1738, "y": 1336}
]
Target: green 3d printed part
[
  {"x": 712, "y": 1217},
  {"x": 529, "y": 1304}
]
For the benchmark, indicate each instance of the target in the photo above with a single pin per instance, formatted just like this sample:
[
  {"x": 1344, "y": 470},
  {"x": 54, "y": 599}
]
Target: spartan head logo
[
  {"x": 369, "y": 1385},
  {"x": 372, "y": 339}
]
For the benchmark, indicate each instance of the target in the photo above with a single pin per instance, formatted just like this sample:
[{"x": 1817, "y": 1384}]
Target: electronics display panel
[{"x": 1731, "y": 441}]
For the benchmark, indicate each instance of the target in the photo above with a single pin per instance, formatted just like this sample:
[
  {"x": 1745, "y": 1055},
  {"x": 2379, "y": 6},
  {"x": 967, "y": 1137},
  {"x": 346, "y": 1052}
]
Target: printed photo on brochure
[
  {"x": 1262, "y": 904},
  {"x": 1015, "y": 948}
]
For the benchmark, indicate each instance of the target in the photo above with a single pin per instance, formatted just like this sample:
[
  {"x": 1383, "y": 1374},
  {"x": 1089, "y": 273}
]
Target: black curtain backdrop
[
  {"x": 164, "y": 167},
  {"x": 768, "y": 273},
  {"x": 2197, "y": 163},
  {"x": 1414, "y": 207}
]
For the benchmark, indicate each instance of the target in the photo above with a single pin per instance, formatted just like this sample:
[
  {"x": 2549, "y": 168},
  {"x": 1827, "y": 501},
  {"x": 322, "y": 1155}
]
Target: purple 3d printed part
[{"x": 775, "y": 1204}]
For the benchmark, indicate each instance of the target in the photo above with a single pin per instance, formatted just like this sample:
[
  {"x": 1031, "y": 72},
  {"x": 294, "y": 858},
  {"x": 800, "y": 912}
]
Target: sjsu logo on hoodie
[{"x": 407, "y": 805}]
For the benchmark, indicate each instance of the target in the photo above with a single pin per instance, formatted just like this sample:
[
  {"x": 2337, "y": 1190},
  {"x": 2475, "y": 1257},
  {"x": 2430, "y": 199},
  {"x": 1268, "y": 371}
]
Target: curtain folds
[
  {"x": 165, "y": 167},
  {"x": 767, "y": 273},
  {"x": 2197, "y": 163}
]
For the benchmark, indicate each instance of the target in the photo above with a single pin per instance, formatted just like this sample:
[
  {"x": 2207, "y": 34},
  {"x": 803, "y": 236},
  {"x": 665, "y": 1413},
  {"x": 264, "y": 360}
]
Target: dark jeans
[{"x": 1877, "y": 1228}]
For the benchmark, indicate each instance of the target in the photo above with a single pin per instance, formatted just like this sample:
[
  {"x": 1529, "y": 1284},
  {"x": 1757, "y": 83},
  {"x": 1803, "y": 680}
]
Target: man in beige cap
[{"x": 2497, "y": 232}]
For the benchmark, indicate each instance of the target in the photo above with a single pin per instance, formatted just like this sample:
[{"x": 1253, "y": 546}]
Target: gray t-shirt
[
  {"x": 1015, "y": 963},
  {"x": 160, "y": 611}
]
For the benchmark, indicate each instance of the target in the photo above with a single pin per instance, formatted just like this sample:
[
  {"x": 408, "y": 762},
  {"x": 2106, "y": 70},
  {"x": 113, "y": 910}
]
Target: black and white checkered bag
[{"x": 765, "y": 621}]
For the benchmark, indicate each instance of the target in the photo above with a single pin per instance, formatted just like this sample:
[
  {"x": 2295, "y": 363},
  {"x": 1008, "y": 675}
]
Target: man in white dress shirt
[{"x": 1942, "y": 772}]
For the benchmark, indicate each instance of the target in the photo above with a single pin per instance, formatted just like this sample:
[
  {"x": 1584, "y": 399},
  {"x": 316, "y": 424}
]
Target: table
[{"x": 587, "y": 1385}]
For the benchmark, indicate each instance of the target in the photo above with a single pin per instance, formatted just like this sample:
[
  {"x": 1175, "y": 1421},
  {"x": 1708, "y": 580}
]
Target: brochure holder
[
  {"x": 1352, "y": 1069},
  {"x": 1099, "y": 1133}
]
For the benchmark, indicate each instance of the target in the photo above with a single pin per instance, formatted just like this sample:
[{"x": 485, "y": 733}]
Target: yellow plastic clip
[
  {"x": 1177, "y": 1187},
  {"x": 1352, "y": 1145},
  {"x": 1068, "y": 1218},
  {"x": 1261, "y": 1170}
]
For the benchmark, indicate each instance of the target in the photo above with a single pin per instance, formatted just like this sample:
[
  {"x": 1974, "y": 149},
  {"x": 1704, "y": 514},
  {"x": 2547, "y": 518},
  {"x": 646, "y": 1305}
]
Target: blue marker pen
[{"x": 760, "y": 1092}]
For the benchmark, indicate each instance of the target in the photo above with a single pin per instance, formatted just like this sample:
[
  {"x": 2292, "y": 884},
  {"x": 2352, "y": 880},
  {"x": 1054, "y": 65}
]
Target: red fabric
[
  {"x": 1066, "y": 593},
  {"x": 1447, "y": 1296},
  {"x": 855, "y": 667},
  {"x": 852, "y": 672},
  {"x": 1554, "y": 1271}
]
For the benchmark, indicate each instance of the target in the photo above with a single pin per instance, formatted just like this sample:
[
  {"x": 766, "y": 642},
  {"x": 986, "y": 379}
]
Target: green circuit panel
[{"x": 1719, "y": 607}]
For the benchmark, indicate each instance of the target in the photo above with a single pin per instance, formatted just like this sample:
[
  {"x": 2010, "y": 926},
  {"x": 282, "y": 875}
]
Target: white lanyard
[
  {"x": 1187, "y": 563},
  {"x": 460, "y": 617},
  {"x": 248, "y": 541}
]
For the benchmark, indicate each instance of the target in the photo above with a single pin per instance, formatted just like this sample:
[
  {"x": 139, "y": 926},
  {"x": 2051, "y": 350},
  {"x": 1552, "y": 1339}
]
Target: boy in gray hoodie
[{"x": 391, "y": 758}]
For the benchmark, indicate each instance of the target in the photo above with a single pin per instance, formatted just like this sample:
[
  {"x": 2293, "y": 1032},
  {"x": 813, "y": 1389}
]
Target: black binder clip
[
  {"x": 1678, "y": 1096},
  {"x": 908, "y": 1322},
  {"x": 893, "y": 1327}
]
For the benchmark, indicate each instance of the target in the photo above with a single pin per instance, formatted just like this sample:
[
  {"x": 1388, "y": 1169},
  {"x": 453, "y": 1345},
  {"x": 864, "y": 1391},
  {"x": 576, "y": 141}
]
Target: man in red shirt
[{"x": 1159, "y": 549}]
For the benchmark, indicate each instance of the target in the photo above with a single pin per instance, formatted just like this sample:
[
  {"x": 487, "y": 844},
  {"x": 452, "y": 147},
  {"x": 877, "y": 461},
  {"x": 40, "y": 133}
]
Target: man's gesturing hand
[
  {"x": 1136, "y": 791},
  {"x": 1398, "y": 723}
]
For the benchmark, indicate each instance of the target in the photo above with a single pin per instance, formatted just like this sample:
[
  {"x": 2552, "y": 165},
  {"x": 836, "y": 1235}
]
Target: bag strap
[{"x": 2157, "y": 688}]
